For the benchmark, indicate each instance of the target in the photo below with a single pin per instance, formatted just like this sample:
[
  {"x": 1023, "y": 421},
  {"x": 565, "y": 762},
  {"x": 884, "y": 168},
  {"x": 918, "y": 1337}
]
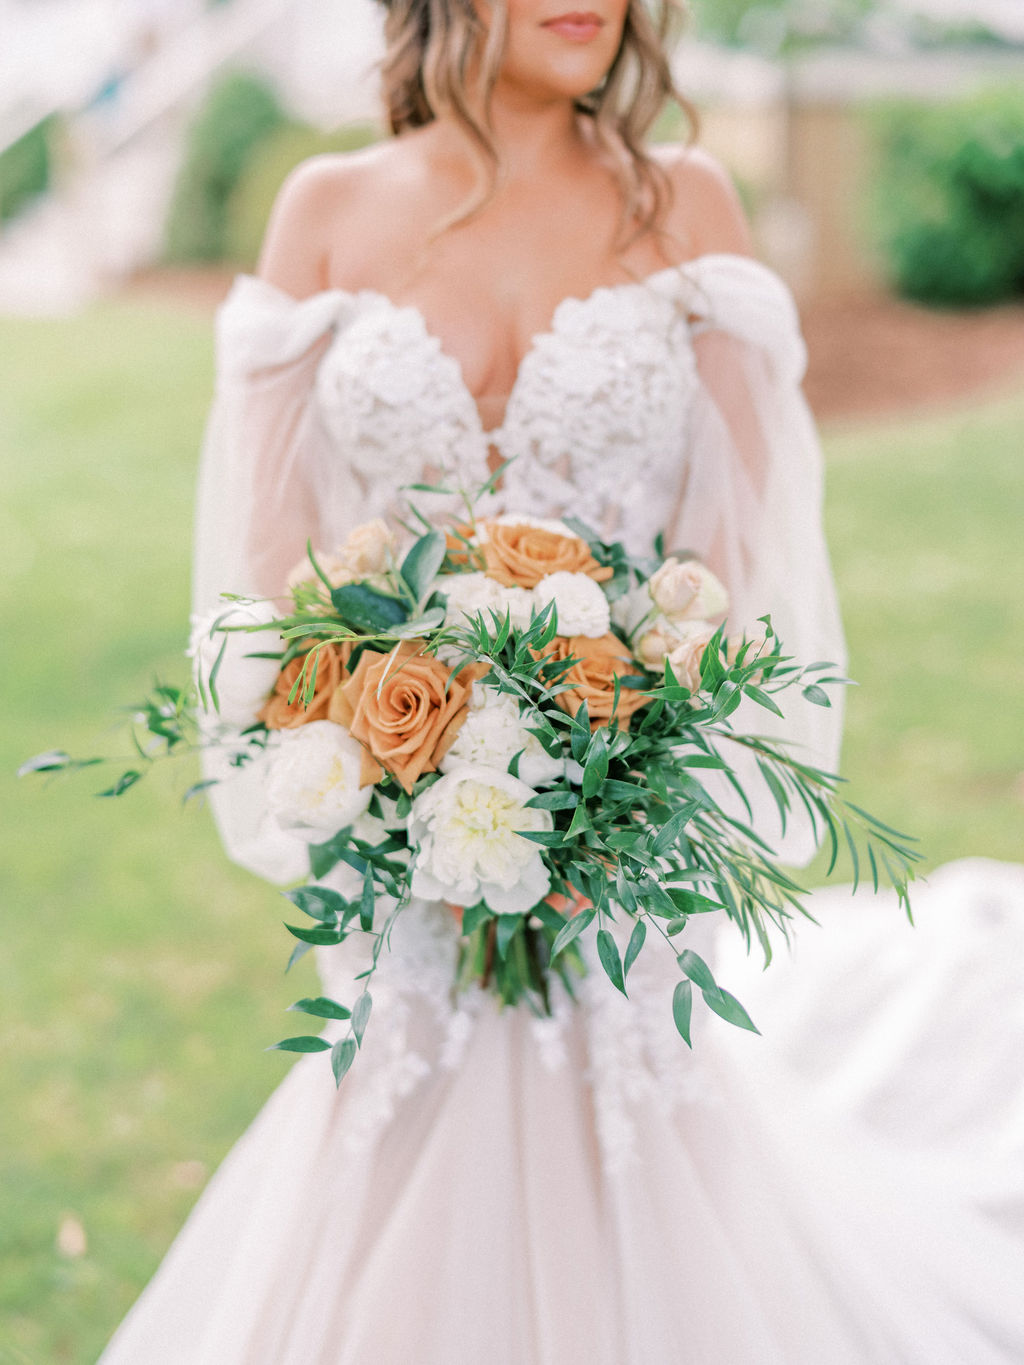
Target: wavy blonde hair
[{"x": 432, "y": 48}]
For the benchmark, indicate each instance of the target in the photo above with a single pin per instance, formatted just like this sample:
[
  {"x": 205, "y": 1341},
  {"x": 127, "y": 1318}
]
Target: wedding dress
[{"x": 489, "y": 1187}]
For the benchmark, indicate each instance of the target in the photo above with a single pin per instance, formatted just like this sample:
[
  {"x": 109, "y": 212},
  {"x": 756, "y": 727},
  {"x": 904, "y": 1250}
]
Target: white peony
[
  {"x": 581, "y": 605},
  {"x": 314, "y": 788},
  {"x": 493, "y": 732},
  {"x": 467, "y": 829},
  {"x": 243, "y": 683},
  {"x": 470, "y": 593}
]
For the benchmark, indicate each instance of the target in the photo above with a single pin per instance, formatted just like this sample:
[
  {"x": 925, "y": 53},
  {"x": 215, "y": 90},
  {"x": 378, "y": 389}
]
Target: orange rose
[
  {"x": 406, "y": 707},
  {"x": 520, "y": 556},
  {"x": 598, "y": 663},
  {"x": 280, "y": 714}
]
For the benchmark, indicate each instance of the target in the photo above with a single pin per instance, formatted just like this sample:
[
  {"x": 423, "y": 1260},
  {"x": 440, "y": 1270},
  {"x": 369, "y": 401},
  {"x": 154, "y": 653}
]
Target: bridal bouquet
[{"x": 524, "y": 721}]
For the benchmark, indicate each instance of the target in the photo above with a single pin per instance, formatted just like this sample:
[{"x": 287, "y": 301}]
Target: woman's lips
[{"x": 579, "y": 26}]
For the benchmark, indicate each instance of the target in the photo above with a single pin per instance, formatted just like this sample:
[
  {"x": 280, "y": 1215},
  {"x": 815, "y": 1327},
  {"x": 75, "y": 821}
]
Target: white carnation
[
  {"x": 581, "y": 605},
  {"x": 471, "y": 593},
  {"x": 243, "y": 683},
  {"x": 493, "y": 732},
  {"x": 467, "y": 829},
  {"x": 314, "y": 788}
]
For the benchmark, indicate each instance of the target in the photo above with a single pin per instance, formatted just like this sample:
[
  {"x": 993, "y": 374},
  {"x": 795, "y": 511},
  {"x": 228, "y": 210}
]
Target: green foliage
[
  {"x": 780, "y": 26},
  {"x": 26, "y": 167},
  {"x": 239, "y": 113},
  {"x": 253, "y": 196},
  {"x": 949, "y": 196}
]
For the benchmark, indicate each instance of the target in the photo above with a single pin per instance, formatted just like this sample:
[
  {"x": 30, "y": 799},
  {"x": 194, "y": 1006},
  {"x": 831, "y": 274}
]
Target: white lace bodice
[{"x": 603, "y": 392}]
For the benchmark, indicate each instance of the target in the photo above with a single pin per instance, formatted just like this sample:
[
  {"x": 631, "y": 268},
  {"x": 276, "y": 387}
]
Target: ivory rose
[
  {"x": 280, "y": 714},
  {"x": 520, "y": 555},
  {"x": 685, "y": 657},
  {"x": 406, "y": 707},
  {"x": 687, "y": 590},
  {"x": 368, "y": 550},
  {"x": 598, "y": 663}
]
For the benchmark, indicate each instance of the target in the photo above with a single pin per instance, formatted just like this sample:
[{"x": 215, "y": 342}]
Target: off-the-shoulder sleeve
[
  {"x": 260, "y": 488},
  {"x": 265, "y": 448},
  {"x": 752, "y": 499}
]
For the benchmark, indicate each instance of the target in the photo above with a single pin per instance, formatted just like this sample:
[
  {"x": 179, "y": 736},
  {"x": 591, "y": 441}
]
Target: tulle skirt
[{"x": 847, "y": 1189}]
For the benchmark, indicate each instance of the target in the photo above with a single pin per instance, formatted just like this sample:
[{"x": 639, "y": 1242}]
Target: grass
[{"x": 141, "y": 975}]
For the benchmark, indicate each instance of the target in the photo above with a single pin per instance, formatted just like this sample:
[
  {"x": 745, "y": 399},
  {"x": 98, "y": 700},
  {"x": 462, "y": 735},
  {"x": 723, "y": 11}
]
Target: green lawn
[{"x": 141, "y": 976}]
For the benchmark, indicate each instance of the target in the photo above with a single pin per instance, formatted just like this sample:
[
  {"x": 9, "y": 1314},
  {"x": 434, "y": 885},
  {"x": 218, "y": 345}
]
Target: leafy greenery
[
  {"x": 634, "y": 829},
  {"x": 238, "y": 114},
  {"x": 130, "y": 942},
  {"x": 26, "y": 167},
  {"x": 949, "y": 196}
]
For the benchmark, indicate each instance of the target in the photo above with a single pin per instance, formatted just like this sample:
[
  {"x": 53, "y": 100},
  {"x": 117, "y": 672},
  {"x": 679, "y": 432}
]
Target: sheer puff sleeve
[
  {"x": 260, "y": 479},
  {"x": 751, "y": 503}
]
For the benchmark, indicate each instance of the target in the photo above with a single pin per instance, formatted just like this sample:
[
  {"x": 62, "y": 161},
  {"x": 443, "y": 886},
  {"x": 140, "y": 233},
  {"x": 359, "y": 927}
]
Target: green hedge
[
  {"x": 240, "y": 112},
  {"x": 949, "y": 197},
  {"x": 26, "y": 167},
  {"x": 254, "y": 195}
]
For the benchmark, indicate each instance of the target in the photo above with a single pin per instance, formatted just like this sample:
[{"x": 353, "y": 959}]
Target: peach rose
[
  {"x": 406, "y": 707},
  {"x": 598, "y": 663},
  {"x": 519, "y": 556},
  {"x": 280, "y": 714}
]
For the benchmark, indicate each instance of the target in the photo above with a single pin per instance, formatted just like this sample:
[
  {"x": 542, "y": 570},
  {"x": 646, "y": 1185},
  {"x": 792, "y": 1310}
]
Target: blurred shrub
[
  {"x": 254, "y": 195},
  {"x": 26, "y": 167},
  {"x": 949, "y": 197},
  {"x": 239, "y": 113}
]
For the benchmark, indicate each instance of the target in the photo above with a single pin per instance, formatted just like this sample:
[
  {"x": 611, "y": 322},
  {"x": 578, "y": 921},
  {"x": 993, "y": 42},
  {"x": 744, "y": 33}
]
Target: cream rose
[
  {"x": 467, "y": 830},
  {"x": 369, "y": 550},
  {"x": 685, "y": 657},
  {"x": 687, "y": 590}
]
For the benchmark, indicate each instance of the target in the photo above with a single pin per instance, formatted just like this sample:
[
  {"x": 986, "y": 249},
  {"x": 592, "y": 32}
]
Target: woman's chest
[{"x": 601, "y": 393}]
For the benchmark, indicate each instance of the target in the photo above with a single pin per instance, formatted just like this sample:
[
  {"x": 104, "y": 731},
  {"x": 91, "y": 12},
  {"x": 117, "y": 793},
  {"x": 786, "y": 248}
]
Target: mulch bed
[{"x": 872, "y": 355}]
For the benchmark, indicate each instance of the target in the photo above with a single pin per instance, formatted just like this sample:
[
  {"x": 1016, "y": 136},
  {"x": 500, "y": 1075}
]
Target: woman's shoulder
[
  {"x": 706, "y": 211},
  {"x": 328, "y": 198}
]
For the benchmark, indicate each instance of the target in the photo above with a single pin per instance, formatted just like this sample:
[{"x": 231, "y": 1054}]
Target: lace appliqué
[
  {"x": 594, "y": 421},
  {"x": 398, "y": 410}
]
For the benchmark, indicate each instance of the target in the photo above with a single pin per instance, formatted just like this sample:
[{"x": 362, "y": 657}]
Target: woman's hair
[{"x": 431, "y": 50}]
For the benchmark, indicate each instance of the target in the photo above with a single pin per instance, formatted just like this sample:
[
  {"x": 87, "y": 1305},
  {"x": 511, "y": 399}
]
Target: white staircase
[{"x": 105, "y": 216}]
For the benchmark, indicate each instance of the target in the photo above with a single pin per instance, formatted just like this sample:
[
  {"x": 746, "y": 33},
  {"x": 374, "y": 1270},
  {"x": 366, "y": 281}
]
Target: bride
[{"x": 514, "y": 276}]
